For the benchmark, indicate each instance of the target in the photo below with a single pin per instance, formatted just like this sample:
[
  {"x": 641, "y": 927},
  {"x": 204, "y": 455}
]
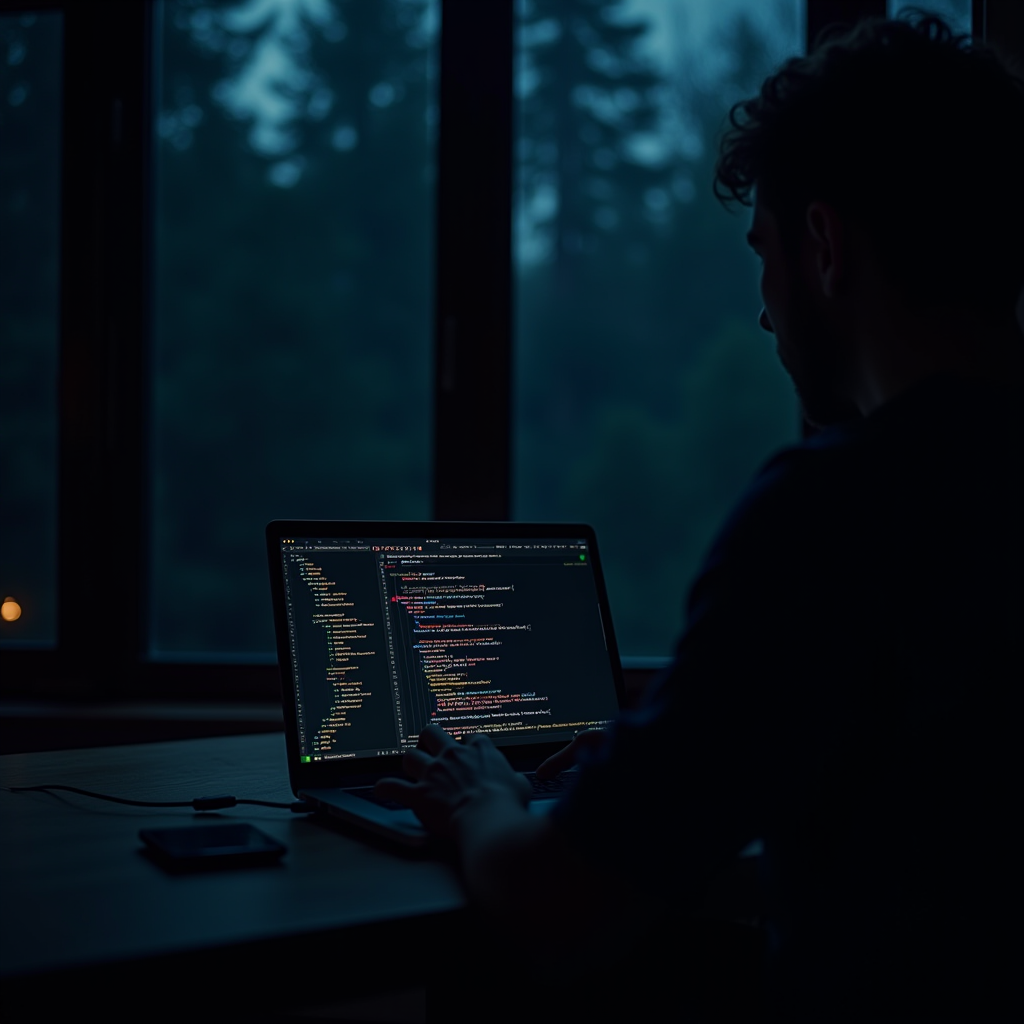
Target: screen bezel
[{"x": 355, "y": 771}]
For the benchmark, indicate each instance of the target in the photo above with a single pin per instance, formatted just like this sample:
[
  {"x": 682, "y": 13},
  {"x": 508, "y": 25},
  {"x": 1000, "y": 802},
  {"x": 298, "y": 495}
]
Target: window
[
  {"x": 372, "y": 258},
  {"x": 646, "y": 395},
  {"x": 292, "y": 320},
  {"x": 30, "y": 126}
]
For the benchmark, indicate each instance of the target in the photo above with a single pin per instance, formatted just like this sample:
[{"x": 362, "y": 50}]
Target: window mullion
[
  {"x": 474, "y": 251},
  {"x": 104, "y": 308}
]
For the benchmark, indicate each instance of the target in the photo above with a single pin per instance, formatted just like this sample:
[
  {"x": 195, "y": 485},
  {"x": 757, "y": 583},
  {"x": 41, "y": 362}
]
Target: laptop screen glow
[{"x": 503, "y": 636}]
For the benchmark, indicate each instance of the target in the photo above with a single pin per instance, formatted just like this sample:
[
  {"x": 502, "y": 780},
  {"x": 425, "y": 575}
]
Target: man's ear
[{"x": 828, "y": 246}]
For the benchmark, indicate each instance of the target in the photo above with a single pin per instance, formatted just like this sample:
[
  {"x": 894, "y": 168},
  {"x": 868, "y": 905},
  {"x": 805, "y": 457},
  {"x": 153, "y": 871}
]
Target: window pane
[
  {"x": 646, "y": 394},
  {"x": 293, "y": 359},
  {"x": 957, "y": 13},
  {"x": 30, "y": 129}
]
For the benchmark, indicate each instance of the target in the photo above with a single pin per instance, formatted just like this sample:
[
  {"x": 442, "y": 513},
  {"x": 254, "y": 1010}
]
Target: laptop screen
[{"x": 497, "y": 635}]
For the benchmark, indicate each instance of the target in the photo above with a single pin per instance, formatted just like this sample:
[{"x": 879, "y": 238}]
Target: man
[{"x": 848, "y": 684}]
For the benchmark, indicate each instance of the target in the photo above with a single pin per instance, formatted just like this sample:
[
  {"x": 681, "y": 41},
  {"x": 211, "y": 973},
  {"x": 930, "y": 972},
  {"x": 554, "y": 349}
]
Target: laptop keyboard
[
  {"x": 540, "y": 787},
  {"x": 366, "y": 793},
  {"x": 550, "y": 787}
]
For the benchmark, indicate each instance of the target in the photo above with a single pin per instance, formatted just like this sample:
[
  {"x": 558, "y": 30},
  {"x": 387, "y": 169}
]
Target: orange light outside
[{"x": 10, "y": 610}]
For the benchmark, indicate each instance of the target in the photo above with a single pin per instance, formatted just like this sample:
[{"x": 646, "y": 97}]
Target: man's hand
[
  {"x": 590, "y": 740},
  {"x": 448, "y": 776},
  {"x": 518, "y": 867}
]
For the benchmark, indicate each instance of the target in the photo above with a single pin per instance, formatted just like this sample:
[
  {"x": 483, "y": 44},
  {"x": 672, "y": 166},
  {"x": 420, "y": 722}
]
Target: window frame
[
  {"x": 109, "y": 77},
  {"x": 103, "y": 298}
]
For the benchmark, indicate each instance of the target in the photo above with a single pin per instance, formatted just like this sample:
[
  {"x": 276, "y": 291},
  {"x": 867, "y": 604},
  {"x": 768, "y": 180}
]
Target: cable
[{"x": 200, "y": 803}]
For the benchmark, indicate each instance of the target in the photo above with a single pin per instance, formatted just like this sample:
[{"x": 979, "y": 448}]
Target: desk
[{"x": 87, "y": 921}]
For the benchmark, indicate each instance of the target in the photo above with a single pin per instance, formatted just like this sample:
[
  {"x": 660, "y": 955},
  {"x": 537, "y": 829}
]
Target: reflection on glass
[
  {"x": 293, "y": 292},
  {"x": 30, "y": 126},
  {"x": 646, "y": 394}
]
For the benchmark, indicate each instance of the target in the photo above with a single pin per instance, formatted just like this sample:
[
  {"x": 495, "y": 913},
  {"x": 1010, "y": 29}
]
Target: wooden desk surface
[{"x": 75, "y": 891}]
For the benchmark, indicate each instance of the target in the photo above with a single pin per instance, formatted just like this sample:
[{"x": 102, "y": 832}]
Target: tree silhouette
[
  {"x": 648, "y": 396},
  {"x": 588, "y": 100},
  {"x": 293, "y": 295},
  {"x": 292, "y": 353}
]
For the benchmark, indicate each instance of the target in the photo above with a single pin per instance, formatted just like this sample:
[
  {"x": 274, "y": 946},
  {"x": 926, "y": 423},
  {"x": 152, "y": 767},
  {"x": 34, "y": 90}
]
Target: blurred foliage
[
  {"x": 646, "y": 394},
  {"x": 292, "y": 347},
  {"x": 293, "y": 293},
  {"x": 30, "y": 123}
]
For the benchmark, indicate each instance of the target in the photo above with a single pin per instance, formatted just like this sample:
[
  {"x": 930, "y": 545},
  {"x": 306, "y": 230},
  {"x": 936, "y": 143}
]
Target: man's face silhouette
[{"x": 808, "y": 346}]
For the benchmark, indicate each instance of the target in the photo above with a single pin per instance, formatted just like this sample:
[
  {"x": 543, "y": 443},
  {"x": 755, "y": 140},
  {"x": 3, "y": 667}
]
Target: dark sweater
[{"x": 848, "y": 689}]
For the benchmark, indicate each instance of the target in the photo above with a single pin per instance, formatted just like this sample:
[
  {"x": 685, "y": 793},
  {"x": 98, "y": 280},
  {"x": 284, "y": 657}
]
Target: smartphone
[{"x": 200, "y": 847}]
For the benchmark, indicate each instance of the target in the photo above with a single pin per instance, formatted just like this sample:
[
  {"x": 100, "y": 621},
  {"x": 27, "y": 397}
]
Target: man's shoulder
[
  {"x": 941, "y": 435},
  {"x": 798, "y": 491},
  {"x": 937, "y": 471}
]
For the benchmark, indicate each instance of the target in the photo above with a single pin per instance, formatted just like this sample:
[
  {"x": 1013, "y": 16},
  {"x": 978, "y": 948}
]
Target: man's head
[{"x": 886, "y": 168}]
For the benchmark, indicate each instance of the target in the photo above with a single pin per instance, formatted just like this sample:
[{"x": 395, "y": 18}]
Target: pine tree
[
  {"x": 588, "y": 96},
  {"x": 293, "y": 287},
  {"x": 647, "y": 394}
]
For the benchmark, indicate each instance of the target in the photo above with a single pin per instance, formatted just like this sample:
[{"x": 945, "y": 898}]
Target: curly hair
[{"x": 914, "y": 131}]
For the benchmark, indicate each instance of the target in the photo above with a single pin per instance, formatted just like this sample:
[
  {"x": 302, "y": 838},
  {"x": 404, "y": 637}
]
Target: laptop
[{"x": 384, "y": 627}]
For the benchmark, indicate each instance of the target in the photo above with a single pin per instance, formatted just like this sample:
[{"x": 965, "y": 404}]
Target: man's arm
[
  {"x": 518, "y": 867},
  {"x": 744, "y": 719}
]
